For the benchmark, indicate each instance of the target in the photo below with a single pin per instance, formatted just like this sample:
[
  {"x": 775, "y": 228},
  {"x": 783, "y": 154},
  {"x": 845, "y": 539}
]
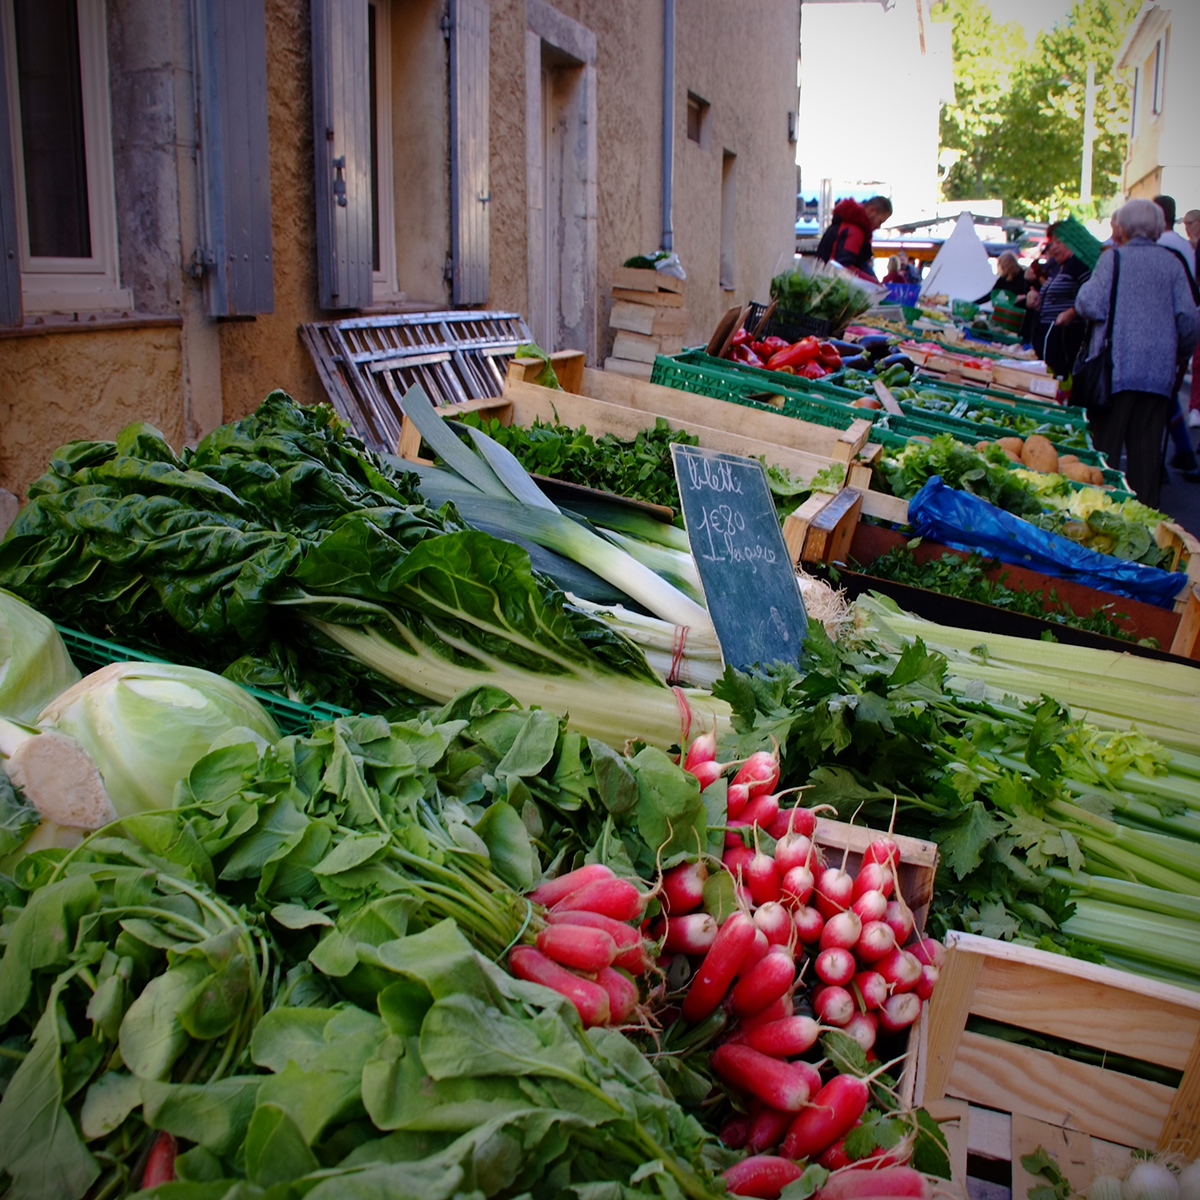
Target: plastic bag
[{"x": 965, "y": 522}]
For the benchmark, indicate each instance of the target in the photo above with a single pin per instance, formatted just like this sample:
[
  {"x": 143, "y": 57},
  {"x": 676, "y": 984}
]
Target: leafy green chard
[{"x": 282, "y": 539}]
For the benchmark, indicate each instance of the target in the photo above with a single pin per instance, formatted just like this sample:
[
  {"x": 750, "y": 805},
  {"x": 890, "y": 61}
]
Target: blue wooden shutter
[
  {"x": 10, "y": 255},
  {"x": 235, "y": 156},
  {"x": 470, "y": 189},
  {"x": 342, "y": 152}
]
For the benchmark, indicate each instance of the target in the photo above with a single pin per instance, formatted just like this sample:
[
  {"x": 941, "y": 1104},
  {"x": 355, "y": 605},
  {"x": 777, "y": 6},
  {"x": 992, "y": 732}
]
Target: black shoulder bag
[{"x": 1091, "y": 384}]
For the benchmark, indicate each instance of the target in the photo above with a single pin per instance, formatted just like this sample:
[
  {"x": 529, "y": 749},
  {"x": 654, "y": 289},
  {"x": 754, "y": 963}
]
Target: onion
[
  {"x": 1105, "y": 1187},
  {"x": 1150, "y": 1181},
  {"x": 1189, "y": 1182}
]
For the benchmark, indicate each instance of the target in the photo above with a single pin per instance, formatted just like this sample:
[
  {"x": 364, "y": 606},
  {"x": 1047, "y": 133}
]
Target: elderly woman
[{"x": 1155, "y": 324}]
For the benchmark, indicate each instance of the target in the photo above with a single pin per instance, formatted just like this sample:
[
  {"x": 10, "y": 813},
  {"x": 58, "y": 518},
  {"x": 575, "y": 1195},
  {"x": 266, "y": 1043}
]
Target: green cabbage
[
  {"x": 34, "y": 663},
  {"x": 145, "y": 724}
]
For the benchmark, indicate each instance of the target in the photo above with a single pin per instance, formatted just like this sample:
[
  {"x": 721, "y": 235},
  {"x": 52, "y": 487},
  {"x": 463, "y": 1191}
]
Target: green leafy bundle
[
  {"x": 832, "y": 297},
  {"x": 283, "y": 553},
  {"x": 285, "y": 970},
  {"x": 967, "y": 578}
]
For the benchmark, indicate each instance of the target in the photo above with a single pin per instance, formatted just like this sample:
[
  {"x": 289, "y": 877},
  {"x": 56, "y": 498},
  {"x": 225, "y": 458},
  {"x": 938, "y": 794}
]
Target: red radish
[
  {"x": 871, "y": 989},
  {"x": 622, "y": 994},
  {"x": 870, "y": 906},
  {"x": 756, "y": 953},
  {"x": 882, "y": 850},
  {"x": 875, "y": 942},
  {"x": 834, "y": 1005},
  {"x": 761, "y": 810},
  {"x": 589, "y": 998},
  {"x": 900, "y": 969},
  {"x": 793, "y": 820},
  {"x": 863, "y": 1027},
  {"x": 835, "y": 966},
  {"x": 763, "y": 1175},
  {"x": 616, "y": 898},
  {"x": 782, "y": 1085},
  {"x": 702, "y": 749},
  {"x": 779, "y": 1011},
  {"x": 834, "y": 891},
  {"x": 831, "y": 1114},
  {"x": 707, "y": 773},
  {"x": 874, "y": 877},
  {"x": 631, "y": 949},
  {"x": 835, "y": 1158},
  {"x": 733, "y": 832},
  {"x": 716, "y": 972},
  {"x": 782, "y": 1039},
  {"x": 765, "y": 982},
  {"x": 160, "y": 1164},
  {"x": 737, "y": 858},
  {"x": 577, "y": 946},
  {"x": 887, "y": 1181},
  {"x": 798, "y": 886},
  {"x": 733, "y": 1132},
  {"x": 692, "y": 933},
  {"x": 899, "y": 917},
  {"x": 927, "y": 950},
  {"x": 737, "y": 796},
  {"x": 927, "y": 982},
  {"x": 809, "y": 924},
  {"x": 763, "y": 879},
  {"x": 683, "y": 887},
  {"x": 760, "y": 771},
  {"x": 767, "y": 1129},
  {"x": 554, "y": 890},
  {"x": 899, "y": 1011},
  {"x": 776, "y": 923},
  {"x": 793, "y": 850},
  {"x": 841, "y": 930}
]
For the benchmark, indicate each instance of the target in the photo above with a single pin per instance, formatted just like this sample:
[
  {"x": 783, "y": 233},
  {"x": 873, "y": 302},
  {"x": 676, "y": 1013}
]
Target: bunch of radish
[
  {"x": 767, "y": 1175},
  {"x": 591, "y": 948}
]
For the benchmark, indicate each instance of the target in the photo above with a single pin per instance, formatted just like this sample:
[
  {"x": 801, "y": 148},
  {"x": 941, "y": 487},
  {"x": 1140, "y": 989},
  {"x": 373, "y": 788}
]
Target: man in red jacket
[{"x": 848, "y": 238}]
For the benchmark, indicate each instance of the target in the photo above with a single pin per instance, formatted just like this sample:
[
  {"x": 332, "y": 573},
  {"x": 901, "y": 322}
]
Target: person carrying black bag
[{"x": 1154, "y": 323}]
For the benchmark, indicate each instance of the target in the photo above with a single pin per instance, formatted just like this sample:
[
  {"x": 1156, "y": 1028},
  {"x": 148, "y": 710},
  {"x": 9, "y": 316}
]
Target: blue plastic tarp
[{"x": 966, "y": 522}]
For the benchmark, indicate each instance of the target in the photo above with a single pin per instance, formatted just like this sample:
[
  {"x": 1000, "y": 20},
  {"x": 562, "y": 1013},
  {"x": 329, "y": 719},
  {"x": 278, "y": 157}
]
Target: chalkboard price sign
[{"x": 745, "y": 569}]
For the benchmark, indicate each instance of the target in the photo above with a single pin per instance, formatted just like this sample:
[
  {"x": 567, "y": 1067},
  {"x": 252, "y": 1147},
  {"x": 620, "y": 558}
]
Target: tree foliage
[{"x": 1016, "y": 127}]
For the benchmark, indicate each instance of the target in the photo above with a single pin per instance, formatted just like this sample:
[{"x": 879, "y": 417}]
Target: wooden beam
[
  {"x": 1186, "y": 642},
  {"x": 832, "y": 529},
  {"x": 889, "y": 402},
  {"x": 795, "y": 524},
  {"x": 568, "y": 366},
  {"x": 852, "y": 440}
]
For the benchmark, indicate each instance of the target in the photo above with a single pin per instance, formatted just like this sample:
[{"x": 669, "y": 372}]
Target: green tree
[{"x": 1023, "y": 139}]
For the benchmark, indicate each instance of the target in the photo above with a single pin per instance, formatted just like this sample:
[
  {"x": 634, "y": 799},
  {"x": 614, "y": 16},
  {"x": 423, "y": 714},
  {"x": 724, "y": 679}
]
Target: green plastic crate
[{"x": 91, "y": 653}]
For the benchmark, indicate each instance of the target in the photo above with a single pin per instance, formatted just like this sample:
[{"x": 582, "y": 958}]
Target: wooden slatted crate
[{"x": 1111, "y": 1011}]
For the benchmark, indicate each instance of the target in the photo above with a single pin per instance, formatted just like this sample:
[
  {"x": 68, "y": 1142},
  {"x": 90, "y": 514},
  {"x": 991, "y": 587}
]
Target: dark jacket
[
  {"x": 848, "y": 238},
  {"x": 1156, "y": 321}
]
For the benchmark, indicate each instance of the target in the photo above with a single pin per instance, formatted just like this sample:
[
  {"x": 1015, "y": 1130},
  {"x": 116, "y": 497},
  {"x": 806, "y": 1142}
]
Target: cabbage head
[
  {"x": 146, "y": 724},
  {"x": 34, "y": 663}
]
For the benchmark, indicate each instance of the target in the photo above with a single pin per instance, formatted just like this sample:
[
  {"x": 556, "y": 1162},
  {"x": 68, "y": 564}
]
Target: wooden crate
[{"x": 1060, "y": 997}]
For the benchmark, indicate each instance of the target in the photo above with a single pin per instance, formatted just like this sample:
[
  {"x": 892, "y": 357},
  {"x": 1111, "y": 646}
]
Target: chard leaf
[
  {"x": 108, "y": 1102},
  {"x": 512, "y": 855},
  {"x": 214, "y": 1114},
  {"x": 275, "y": 1150},
  {"x": 670, "y": 811},
  {"x": 151, "y": 1036}
]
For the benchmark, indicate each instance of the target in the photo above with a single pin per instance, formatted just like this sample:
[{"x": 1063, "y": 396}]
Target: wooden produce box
[
  {"x": 915, "y": 876},
  {"x": 1049, "y": 994}
]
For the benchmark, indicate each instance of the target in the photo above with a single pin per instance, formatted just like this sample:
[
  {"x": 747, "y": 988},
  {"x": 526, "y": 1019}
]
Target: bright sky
[{"x": 1035, "y": 15}]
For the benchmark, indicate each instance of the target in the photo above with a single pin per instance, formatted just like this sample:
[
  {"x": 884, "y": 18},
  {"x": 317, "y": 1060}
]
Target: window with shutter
[
  {"x": 10, "y": 262},
  {"x": 342, "y": 152},
  {"x": 236, "y": 257},
  {"x": 470, "y": 188}
]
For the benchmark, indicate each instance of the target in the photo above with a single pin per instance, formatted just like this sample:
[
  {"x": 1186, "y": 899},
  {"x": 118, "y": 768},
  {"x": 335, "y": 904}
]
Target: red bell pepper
[
  {"x": 762, "y": 350},
  {"x": 828, "y": 356},
  {"x": 774, "y": 344},
  {"x": 744, "y": 354},
  {"x": 742, "y": 336},
  {"x": 812, "y": 370},
  {"x": 803, "y": 351}
]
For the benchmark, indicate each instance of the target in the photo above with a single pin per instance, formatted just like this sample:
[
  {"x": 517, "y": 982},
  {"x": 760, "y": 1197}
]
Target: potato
[
  {"x": 866, "y": 402},
  {"x": 1014, "y": 458},
  {"x": 1039, "y": 454},
  {"x": 1063, "y": 459},
  {"x": 1013, "y": 445},
  {"x": 1080, "y": 472},
  {"x": 981, "y": 446},
  {"x": 1097, "y": 475},
  {"x": 920, "y": 437}
]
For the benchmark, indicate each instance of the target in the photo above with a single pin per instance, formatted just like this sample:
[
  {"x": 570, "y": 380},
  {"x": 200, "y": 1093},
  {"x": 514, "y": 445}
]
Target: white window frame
[
  {"x": 1135, "y": 109},
  {"x": 385, "y": 283},
  {"x": 73, "y": 284}
]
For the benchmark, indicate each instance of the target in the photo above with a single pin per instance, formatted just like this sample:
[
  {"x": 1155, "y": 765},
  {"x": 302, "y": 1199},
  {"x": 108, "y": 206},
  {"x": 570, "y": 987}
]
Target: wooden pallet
[{"x": 1060, "y": 997}]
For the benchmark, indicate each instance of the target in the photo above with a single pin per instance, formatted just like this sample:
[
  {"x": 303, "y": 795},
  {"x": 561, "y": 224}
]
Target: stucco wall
[
  {"x": 55, "y": 388},
  {"x": 266, "y": 352}
]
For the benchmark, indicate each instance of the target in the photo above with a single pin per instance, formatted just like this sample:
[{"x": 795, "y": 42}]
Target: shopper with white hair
[{"x": 1155, "y": 326}]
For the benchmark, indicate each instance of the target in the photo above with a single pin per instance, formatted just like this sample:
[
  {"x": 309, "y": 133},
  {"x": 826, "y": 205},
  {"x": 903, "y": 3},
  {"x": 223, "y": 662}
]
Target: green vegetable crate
[
  {"x": 91, "y": 653},
  {"x": 690, "y": 361},
  {"x": 1100, "y": 1011}
]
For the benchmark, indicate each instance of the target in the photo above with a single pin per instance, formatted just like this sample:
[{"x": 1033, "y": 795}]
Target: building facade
[{"x": 183, "y": 183}]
